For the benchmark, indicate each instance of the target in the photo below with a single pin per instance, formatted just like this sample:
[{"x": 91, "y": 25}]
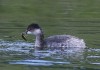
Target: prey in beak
[
  {"x": 33, "y": 29},
  {"x": 23, "y": 35}
]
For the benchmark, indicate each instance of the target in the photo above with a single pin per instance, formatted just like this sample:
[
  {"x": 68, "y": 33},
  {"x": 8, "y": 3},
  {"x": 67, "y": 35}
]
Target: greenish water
[{"x": 80, "y": 18}]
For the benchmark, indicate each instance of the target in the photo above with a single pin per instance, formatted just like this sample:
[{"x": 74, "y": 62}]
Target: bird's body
[
  {"x": 53, "y": 41},
  {"x": 64, "y": 41}
]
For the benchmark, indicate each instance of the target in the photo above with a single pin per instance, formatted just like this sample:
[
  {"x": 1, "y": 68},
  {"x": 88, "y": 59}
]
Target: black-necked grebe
[{"x": 52, "y": 41}]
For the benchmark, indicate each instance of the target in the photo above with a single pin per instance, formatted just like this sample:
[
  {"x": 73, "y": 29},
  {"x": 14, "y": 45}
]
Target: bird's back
[{"x": 64, "y": 41}]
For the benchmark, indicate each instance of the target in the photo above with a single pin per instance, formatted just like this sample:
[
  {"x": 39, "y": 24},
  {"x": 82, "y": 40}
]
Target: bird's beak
[{"x": 23, "y": 35}]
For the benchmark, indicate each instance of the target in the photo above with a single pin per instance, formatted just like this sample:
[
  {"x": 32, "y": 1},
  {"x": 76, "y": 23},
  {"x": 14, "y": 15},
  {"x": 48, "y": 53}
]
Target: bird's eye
[{"x": 29, "y": 29}]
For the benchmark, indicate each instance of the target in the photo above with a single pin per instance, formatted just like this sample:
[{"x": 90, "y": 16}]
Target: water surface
[
  {"x": 20, "y": 54},
  {"x": 80, "y": 18}
]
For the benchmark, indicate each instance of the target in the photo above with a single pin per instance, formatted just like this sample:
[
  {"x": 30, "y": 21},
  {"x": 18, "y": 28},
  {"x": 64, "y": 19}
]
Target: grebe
[{"x": 52, "y": 41}]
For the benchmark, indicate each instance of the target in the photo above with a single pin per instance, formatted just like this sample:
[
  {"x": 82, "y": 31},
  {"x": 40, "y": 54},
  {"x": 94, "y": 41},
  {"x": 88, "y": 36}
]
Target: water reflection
[
  {"x": 71, "y": 54},
  {"x": 28, "y": 56},
  {"x": 19, "y": 47}
]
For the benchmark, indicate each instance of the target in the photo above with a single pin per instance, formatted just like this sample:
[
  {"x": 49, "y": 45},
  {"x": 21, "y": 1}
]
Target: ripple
[
  {"x": 17, "y": 46},
  {"x": 93, "y": 56},
  {"x": 16, "y": 43},
  {"x": 37, "y": 62},
  {"x": 26, "y": 47},
  {"x": 98, "y": 63},
  {"x": 47, "y": 57},
  {"x": 96, "y": 50}
]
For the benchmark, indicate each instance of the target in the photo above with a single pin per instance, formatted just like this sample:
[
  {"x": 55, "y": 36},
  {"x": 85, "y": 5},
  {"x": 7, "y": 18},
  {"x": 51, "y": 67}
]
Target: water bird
[{"x": 52, "y": 41}]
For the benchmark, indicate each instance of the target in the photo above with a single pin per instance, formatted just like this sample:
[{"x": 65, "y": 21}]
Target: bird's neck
[{"x": 39, "y": 42}]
